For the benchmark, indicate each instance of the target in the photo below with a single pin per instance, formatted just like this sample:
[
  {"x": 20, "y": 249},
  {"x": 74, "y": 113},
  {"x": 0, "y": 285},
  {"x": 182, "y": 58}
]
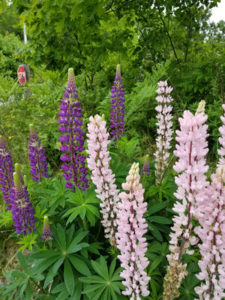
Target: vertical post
[{"x": 24, "y": 33}]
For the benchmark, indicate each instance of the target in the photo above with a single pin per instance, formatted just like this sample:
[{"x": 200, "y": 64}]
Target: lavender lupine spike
[
  {"x": 191, "y": 150},
  {"x": 38, "y": 160},
  {"x": 21, "y": 207},
  {"x": 6, "y": 171},
  {"x": 164, "y": 130},
  {"x": 130, "y": 236},
  {"x": 102, "y": 176},
  {"x": 72, "y": 138},
  {"x": 146, "y": 170},
  {"x": 117, "y": 107},
  {"x": 46, "y": 233}
]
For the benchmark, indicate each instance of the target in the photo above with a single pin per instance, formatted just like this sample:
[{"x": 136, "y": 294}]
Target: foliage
[{"x": 154, "y": 40}]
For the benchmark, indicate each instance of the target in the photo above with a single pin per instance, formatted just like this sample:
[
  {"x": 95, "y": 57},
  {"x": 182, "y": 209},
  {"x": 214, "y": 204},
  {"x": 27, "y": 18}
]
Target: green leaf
[
  {"x": 77, "y": 248},
  {"x": 52, "y": 272},
  {"x": 79, "y": 265},
  {"x": 92, "y": 279},
  {"x": 160, "y": 220},
  {"x": 101, "y": 268},
  {"x": 156, "y": 207},
  {"x": 60, "y": 236},
  {"x": 154, "y": 264},
  {"x": 68, "y": 277},
  {"x": 43, "y": 264}
]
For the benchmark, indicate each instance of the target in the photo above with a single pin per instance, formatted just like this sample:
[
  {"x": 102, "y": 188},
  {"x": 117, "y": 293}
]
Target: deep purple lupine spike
[
  {"x": 117, "y": 108},
  {"x": 6, "y": 171},
  {"x": 21, "y": 207},
  {"x": 72, "y": 138},
  {"x": 46, "y": 233},
  {"x": 38, "y": 160}
]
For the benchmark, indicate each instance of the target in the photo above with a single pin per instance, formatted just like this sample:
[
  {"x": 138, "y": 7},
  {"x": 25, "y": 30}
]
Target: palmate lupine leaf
[
  {"x": 66, "y": 244},
  {"x": 19, "y": 283},
  {"x": 85, "y": 204},
  {"x": 106, "y": 284}
]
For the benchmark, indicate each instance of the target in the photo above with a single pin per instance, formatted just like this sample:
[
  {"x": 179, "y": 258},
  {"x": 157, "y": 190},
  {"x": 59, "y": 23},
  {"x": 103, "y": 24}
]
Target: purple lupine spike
[
  {"x": 117, "y": 108},
  {"x": 6, "y": 171},
  {"x": 145, "y": 170},
  {"x": 21, "y": 207},
  {"x": 46, "y": 233},
  {"x": 72, "y": 138},
  {"x": 38, "y": 160}
]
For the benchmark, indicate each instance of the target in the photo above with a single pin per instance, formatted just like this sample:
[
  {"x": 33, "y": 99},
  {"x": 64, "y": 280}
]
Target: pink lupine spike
[
  {"x": 211, "y": 231},
  {"x": 102, "y": 176},
  {"x": 212, "y": 234},
  {"x": 164, "y": 128},
  {"x": 130, "y": 236},
  {"x": 191, "y": 150}
]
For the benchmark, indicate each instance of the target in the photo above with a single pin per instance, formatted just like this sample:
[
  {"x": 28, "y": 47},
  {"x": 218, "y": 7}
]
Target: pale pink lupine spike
[
  {"x": 164, "y": 128},
  {"x": 212, "y": 234},
  {"x": 191, "y": 150},
  {"x": 130, "y": 236},
  {"x": 221, "y": 151},
  {"x": 211, "y": 231},
  {"x": 102, "y": 176}
]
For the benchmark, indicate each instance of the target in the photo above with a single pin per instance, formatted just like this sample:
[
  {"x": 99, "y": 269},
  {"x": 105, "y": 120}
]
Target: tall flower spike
[
  {"x": 221, "y": 151},
  {"x": 72, "y": 138},
  {"x": 46, "y": 233},
  {"x": 130, "y": 237},
  {"x": 211, "y": 217},
  {"x": 117, "y": 107},
  {"x": 191, "y": 167},
  {"x": 164, "y": 128},
  {"x": 38, "y": 163},
  {"x": 21, "y": 207},
  {"x": 102, "y": 176},
  {"x": 212, "y": 234},
  {"x": 6, "y": 171}
]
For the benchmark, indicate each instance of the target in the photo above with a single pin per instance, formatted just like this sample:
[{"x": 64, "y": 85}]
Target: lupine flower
[
  {"x": 102, "y": 176},
  {"x": 21, "y": 207},
  {"x": 6, "y": 171},
  {"x": 130, "y": 236},
  {"x": 46, "y": 233},
  {"x": 221, "y": 151},
  {"x": 117, "y": 108},
  {"x": 191, "y": 167},
  {"x": 38, "y": 163},
  {"x": 164, "y": 128},
  {"x": 145, "y": 170},
  {"x": 211, "y": 217},
  {"x": 72, "y": 138},
  {"x": 212, "y": 234}
]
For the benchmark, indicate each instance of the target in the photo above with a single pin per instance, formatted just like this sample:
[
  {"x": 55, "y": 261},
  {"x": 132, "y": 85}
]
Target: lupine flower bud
[
  {"x": 21, "y": 207},
  {"x": 46, "y": 233},
  {"x": 145, "y": 170},
  {"x": 38, "y": 163},
  {"x": 191, "y": 150},
  {"x": 201, "y": 107},
  {"x": 130, "y": 236},
  {"x": 6, "y": 171},
  {"x": 102, "y": 176},
  {"x": 164, "y": 128},
  {"x": 72, "y": 138},
  {"x": 117, "y": 108}
]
